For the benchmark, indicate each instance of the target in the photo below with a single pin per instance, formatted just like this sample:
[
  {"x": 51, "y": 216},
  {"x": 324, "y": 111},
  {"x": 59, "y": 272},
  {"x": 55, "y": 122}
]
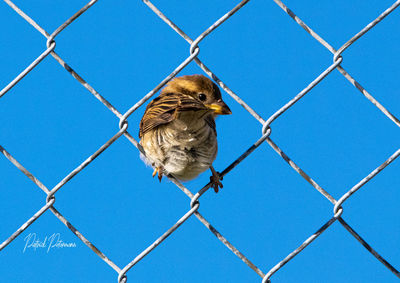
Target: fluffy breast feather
[{"x": 185, "y": 147}]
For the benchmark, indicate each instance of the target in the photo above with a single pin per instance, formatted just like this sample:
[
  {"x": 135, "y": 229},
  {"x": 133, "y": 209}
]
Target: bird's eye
[{"x": 202, "y": 97}]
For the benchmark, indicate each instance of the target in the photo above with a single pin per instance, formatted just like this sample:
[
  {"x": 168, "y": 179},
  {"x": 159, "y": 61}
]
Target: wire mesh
[{"x": 194, "y": 198}]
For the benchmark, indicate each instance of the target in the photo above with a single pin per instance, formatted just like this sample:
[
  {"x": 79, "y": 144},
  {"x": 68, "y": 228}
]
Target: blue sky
[{"x": 51, "y": 124}]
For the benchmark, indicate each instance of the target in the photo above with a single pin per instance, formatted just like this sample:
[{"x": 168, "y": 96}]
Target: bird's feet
[
  {"x": 215, "y": 180},
  {"x": 158, "y": 170}
]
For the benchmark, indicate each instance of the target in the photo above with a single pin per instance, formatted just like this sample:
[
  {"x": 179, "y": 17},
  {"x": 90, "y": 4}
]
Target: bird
[{"x": 178, "y": 132}]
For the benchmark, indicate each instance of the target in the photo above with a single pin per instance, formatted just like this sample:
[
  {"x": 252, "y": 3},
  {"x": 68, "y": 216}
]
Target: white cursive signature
[{"x": 54, "y": 241}]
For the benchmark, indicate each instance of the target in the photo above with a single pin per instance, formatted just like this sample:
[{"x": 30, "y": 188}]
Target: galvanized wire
[{"x": 266, "y": 130}]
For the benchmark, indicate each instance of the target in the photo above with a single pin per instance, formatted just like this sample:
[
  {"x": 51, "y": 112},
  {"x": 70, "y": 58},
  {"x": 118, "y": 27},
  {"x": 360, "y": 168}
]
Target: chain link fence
[{"x": 265, "y": 125}]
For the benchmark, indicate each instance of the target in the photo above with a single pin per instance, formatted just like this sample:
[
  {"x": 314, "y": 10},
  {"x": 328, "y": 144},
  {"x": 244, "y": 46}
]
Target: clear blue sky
[{"x": 51, "y": 124}]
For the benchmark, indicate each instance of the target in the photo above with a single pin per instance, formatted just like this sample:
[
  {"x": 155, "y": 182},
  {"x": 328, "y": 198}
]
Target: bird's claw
[
  {"x": 158, "y": 170},
  {"x": 215, "y": 180}
]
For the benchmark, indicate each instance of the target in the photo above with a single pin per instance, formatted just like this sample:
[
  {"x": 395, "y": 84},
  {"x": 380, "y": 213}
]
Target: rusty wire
[{"x": 194, "y": 197}]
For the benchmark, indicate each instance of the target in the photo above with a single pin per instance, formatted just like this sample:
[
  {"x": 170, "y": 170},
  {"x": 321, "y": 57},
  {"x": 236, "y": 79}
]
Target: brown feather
[{"x": 166, "y": 107}]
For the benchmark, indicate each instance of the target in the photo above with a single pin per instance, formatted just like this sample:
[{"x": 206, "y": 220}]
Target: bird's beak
[{"x": 219, "y": 108}]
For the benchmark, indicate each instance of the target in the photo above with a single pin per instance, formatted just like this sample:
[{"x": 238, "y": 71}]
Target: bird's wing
[{"x": 166, "y": 107}]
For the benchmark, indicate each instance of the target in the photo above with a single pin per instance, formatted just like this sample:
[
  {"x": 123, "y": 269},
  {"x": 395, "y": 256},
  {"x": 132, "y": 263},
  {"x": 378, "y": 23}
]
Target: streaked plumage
[{"x": 178, "y": 132}]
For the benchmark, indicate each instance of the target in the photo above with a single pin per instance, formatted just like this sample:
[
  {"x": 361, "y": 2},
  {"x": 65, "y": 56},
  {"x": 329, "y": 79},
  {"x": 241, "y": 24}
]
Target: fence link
[{"x": 194, "y": 198}]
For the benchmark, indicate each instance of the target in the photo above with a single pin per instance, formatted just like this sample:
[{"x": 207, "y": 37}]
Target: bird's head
[{"x": 200, "y": 88}]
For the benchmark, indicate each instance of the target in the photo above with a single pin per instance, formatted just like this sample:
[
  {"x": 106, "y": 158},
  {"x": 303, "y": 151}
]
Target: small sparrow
[{"x": 177, "y": 130}]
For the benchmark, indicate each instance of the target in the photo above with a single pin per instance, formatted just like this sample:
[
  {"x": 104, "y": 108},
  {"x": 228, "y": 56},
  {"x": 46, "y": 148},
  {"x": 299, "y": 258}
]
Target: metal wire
[{"x": 194, "y": 198}]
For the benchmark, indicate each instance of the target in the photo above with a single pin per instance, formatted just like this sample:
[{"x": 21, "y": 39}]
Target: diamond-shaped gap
[
  {"x": 336, "y": 22},
  {"x": 20, "y": 45},
  {"x": 261, "y": 208},
  {"x": 117, "y": 196},
  {"x": 53, "y": 124},
  {"x": 231, "y": 143},
  {"x": 335, "y": 256},
  {"x": 192, "y": 250},
  {"x": 373, "y": 59},
  {"x": 128, "y": 66},
  {"x": 285, "y": 57},
  {"x": 20, "y": 198},
  {"x": 76, "y": 263},
  {"x": 373, "y": 213},
  {"x": 340, "y": 138}
]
